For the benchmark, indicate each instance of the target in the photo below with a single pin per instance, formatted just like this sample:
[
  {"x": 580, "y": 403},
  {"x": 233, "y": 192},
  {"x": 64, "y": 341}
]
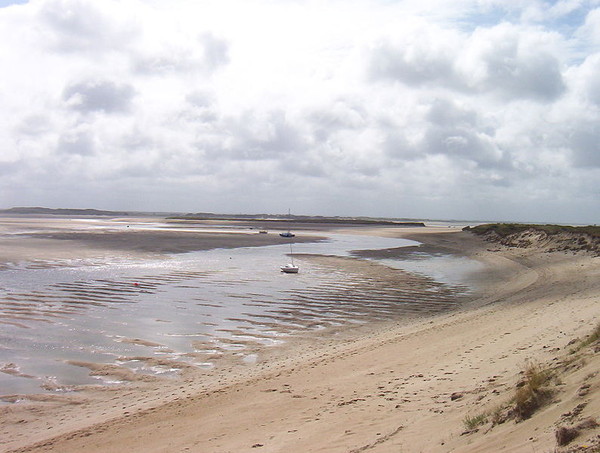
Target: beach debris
[
  {"x": 583, "y": 390},
  {"x": 565, "y": 435},
  {"x": 587, "y": 423},
  {"x": 456, "y": 396},
  {"x": 14, "y": 370},
  {"x": 575, "y": 412}
]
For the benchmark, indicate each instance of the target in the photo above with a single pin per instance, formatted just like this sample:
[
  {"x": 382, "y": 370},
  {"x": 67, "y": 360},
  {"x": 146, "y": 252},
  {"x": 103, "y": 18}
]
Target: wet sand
[
  {"x": 50, "y": 239},
  {"x": 382, "y": 386}
]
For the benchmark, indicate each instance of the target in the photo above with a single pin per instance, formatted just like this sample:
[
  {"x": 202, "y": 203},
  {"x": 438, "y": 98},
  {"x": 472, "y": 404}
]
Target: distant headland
[{"x": 305, "y": 219}]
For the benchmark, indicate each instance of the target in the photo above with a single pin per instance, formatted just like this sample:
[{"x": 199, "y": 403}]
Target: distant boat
[
  {"x": 263, "y": 231},
  {"x": 287, "y": 234},
  {"x": 290, "y": 268}
]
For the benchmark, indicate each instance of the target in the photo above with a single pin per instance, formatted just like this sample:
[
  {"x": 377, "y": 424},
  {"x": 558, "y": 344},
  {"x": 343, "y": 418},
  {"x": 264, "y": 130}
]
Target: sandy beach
[{"x": 387, "y": 386}]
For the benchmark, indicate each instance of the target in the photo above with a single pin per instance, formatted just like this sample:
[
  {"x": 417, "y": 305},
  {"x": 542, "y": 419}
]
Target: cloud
[
  {"x": 77, "y": 142},
  {"x": 360, "y": 108},
  {"x": 35, "y": 125},
  {"x": 516, "y": 63},
  {"x": 204, "y": 54},
  {"x": 507, "y": 60},
  {"x": 259, "y": 136},
  {"x": 585, "y": 143},
  {"x": 84, "y": 26},
  {"x": 423, "y": 56},
  {"x": 99, "y": 96},
  {"x": 589, "y": 32},
  {"x": 589, "y": 79},
  {"x": 216, "y": 51}
]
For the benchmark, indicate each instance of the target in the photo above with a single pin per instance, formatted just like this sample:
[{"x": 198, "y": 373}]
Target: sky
[{"x": 431, "y": 109}]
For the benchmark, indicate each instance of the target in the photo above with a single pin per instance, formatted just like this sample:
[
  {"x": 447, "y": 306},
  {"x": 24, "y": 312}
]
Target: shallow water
[{"x": 193, "y": 308}]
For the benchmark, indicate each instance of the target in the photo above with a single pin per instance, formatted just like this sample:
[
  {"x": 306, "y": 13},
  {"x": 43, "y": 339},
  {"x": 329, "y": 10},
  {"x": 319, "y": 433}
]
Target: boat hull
[{"x": 290, "y": 269}]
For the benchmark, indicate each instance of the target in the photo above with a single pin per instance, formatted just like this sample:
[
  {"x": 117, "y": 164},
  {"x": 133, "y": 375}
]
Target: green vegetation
[
  {"x": 592, "y": 338},
  {"x": 506, "y": 229},
  {"x": 475, "y": 421},
  {"x": 275, "y": 220},
  {"x": 533, "y": 391}
]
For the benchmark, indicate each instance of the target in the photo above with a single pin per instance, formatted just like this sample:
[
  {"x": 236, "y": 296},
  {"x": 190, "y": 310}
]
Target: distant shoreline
[{"x": 270, "y": 219}]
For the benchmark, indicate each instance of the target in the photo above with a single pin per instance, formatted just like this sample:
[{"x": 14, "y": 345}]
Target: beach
[{"x": 403, "y": 383}]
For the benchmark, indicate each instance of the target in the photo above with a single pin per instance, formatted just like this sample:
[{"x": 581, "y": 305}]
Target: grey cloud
[
  {"x": 462, "y": 143},
  {"x": 533, "y": 76},
  {"x": 504, "y": 65},
  {"x": 11, "y": 168},
  {"x": 457, "y": 131},
  {"x": 34, "y": 125},
  {"x": 410, "y": 66},
  {"x": 200, "y": 108},
  {"x": 216, "y": 50},
  {"x": 164, "y": 63},
  {"x": 79, "y": 25},
  {"x": 397, "y": 146},
  {"x": 444, "y": 112},
  {"x": 585, "y": 143},
  {"x": 80, "y": 143},
  {"x": 206, "y": 55},
  {"x": 592, "y": 78},
  {"x": 253, "y": 138},
  {"x": 99, "y": 96},
  {"x": 593, "y": 89},
  {"x": 138, "y": 140},
  {"x": 200, "y": 99},
  {"x": 340, "y": 115},
  {"x": 304, "y": 167}
]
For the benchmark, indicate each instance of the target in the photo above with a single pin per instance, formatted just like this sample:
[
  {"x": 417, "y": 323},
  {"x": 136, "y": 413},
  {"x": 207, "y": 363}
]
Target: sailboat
[
  {"x": 290, "y": 268},
  {"x": 288, "y": 233}
]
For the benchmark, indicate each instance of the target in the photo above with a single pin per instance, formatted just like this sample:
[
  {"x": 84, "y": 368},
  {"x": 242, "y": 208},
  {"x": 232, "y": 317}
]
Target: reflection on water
[
  {"x": 444, "y": 268},
  {"x": 159, "y": 317}
]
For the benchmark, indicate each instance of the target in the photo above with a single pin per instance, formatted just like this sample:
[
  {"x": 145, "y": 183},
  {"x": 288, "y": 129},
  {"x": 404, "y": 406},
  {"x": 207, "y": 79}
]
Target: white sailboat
[{"x": 290, "y": 268}]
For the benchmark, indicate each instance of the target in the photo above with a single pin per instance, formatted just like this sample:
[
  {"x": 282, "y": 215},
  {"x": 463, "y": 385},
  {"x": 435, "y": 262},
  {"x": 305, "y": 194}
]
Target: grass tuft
[
  {"x": 534, "y": 392},
  {"x": 592, "y": 338},
  {"x": 475, "y": 421}
]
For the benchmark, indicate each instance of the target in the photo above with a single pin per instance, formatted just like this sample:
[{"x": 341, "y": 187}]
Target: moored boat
[{"x": 290, "y": 268}]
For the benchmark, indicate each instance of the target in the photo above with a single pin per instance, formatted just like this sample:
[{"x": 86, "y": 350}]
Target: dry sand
[{"x": 383, "y": 389}]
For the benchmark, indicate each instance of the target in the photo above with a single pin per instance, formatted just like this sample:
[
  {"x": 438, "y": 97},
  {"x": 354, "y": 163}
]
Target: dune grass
[
  {"x": 506, "y": 229},
  {"x": 533, "y": 391},
  {"x": 592, "y": 338},
  {"x": 472, "y": 422}
]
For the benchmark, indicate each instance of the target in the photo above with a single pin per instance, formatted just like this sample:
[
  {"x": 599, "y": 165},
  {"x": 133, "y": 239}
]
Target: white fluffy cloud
[{"x": 401, "y": 109}]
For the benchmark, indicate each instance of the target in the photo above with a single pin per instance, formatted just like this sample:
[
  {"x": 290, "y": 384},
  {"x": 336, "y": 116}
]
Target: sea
[{"x": 194, "y": 309}]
